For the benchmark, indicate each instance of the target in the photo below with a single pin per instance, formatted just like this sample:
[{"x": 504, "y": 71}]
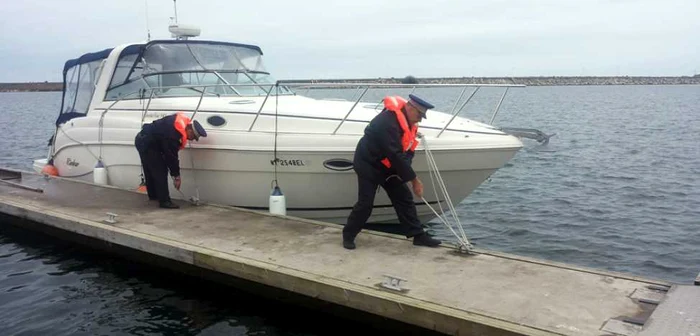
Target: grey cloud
[{"x": 366, "y": 38}]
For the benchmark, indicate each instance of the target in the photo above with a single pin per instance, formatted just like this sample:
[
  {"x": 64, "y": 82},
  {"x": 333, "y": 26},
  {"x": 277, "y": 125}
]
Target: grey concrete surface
[{"x": 485, "y": 294}]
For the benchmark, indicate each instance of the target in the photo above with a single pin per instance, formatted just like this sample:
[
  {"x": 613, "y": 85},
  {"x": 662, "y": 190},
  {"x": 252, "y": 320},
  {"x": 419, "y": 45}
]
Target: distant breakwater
[
  {"x": 31, "y": 87},
  {"x": 529, "y": 81}
]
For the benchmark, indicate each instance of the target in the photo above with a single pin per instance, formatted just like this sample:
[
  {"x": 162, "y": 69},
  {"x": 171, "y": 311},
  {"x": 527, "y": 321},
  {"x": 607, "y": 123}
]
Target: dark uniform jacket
[
  {"x": 163, "y": 137},
  {"x": 382, "y": 139}
]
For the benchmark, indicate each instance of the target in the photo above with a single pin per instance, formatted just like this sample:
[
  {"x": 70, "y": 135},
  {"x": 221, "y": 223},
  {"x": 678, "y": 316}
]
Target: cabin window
[{"x": 80, "y": 85}]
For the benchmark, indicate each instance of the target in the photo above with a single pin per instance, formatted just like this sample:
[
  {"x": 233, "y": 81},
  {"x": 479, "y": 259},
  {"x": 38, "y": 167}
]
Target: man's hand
[
  {"x": 177, "y": 181},
  {"x": 417, "y": 187}
]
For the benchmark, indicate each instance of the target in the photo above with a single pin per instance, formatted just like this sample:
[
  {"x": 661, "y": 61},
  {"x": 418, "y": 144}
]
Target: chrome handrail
[
  {"x": 199, "y": 103},
  {"x": 498, "y": 106},
  {"x": 454, "y": 115},
  {"x": 461, "y": 94},
  {"x": 385, "y": 85},
  {"x": 143, "y": 117},
  {"x": 352, "y": 108},
  {"x": 301, "y": 85},
  {"x": 260, "y": 110}
]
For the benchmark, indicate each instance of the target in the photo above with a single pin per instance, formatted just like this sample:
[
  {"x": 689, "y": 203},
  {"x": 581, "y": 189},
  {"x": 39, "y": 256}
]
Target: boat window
[
  {"x": 121, "y": 72},
  {"x": 179, "y": 84},
  {"x": 71, "y": 88},
  {"x": 80, "y": 85},
  {"x": 132, "y": 90},
  {"x": 250, "y": 84},
  {"x": 200, "y": 56},
  {"x": 183, "y": 68}
]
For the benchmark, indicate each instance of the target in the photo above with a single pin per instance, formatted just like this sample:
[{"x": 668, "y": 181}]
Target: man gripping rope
[
  {"x": 383, "y": 158},
  {"x": 158, "y": 144}
]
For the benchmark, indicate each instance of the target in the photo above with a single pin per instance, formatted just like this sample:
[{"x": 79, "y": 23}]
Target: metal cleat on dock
[
  {"x": 394, "y": 283},
  {"x": 111, "y": 218},
  {"x": 466, "y": 249}
]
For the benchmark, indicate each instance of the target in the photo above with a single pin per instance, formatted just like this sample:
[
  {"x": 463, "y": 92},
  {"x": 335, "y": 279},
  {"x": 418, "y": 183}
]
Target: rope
[
  {"x": 194, "y": 199},
  {"x": 436, "y": 176},
  {"x": 143, "y": 120},
  {"x": 100, "y": 130},
  {"x": 194, "y": 174},
  {"x": 443, "y": 187},
  {"x": 99, "y": 136},
  {"x": 444, "y": 222},
  {"x": 277, "y": 95},
  {"x": 78, "y": 142}
]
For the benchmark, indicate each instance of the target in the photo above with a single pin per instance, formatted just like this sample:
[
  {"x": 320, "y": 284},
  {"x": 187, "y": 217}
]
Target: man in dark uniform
[
  {"x": 158, "y": 144},
  {"x": 383, "y": 158}
]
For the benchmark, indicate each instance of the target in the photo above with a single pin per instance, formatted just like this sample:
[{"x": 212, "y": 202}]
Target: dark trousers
[
  {"x": 401, "y": 198},
  {"x": 154, "y": 169}
]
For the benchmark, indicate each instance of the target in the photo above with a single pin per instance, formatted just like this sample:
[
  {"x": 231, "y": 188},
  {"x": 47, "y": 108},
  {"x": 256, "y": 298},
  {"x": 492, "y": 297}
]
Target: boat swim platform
[{"x": 438, "y": 289}]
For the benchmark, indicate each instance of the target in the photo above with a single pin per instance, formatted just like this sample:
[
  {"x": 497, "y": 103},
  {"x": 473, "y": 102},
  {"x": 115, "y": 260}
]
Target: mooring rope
[{"x": 436, "y": 176}]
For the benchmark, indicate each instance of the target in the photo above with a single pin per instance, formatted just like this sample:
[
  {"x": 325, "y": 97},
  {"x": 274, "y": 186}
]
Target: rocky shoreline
[
  {"x": 528, "y": 81},
  {"x": 31, "y": 87}
]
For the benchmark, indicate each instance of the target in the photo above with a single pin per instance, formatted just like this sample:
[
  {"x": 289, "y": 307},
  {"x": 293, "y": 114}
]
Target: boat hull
[
  {"x": 314, "y": 188},
  {"x": 235, "y": 164}
]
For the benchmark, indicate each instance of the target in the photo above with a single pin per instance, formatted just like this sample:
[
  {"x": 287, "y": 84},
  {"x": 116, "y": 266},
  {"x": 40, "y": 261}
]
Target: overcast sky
[{"x": 375, "y": 38}]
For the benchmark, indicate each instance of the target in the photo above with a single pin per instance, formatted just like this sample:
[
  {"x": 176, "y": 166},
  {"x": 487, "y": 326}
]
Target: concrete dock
[{"x": 434, "y": 288}]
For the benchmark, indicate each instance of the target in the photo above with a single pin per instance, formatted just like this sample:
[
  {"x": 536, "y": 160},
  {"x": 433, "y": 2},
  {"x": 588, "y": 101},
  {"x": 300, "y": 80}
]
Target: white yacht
[{"x": 259, "y": 129}]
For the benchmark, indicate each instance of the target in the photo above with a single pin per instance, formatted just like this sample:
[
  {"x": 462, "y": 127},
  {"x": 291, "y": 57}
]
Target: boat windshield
[{"x": 190, "y": 68}]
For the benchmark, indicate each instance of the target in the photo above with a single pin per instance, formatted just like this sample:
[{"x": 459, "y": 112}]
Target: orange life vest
[
  {"x": 408, "y": 140},
  {"x": 181, "y": 121}
]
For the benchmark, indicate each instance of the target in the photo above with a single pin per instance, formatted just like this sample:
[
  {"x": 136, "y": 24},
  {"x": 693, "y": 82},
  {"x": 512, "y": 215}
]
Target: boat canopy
[
  {"x": 80, "y": 76},
  {"x": 186, "y": 63},
  {"x": 164, "y": 63}
]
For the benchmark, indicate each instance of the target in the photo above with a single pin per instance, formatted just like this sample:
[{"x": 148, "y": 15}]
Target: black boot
[
  {"x": 348, "y": 242},
  {"x": 169, "y": 205},
  {"x": 425, "y": 239}
]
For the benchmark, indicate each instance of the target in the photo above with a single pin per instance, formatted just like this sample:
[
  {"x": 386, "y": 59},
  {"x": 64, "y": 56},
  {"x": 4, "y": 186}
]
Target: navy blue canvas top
[
  {"x": 249, "y": 46},
  {"x": 137, "y": 48},
  {"x": 87, "y": 58},
  {"x": 140, "y": 48}
]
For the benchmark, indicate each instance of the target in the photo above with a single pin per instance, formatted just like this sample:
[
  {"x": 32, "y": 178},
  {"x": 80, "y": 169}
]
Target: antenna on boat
[
  {"x": 148, "y": 27},
  {"x": 175, "y": 7}
]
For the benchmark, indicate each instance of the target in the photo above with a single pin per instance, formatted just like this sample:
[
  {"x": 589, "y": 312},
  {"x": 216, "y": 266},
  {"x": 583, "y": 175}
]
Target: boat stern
[{"x": 39, "y": 164}]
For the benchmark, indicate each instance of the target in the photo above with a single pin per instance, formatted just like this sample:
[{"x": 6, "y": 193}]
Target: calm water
[{"x": 617, "y": 188}]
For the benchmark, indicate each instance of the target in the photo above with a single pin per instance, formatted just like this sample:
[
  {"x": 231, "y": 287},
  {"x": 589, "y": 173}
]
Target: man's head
[
  {"x": 195, "y": 130},
  {"x": 417, "y": 108}
]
